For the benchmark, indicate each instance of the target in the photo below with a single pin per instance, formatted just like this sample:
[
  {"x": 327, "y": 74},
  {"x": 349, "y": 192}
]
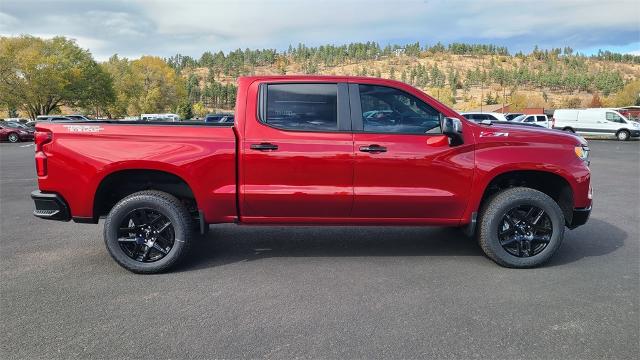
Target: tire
[
  {"x": 13, "y": 137},
  {"x": 623, "y": 135},
  {"x": 131, "y": 248},
  {"x": 512, "y": 202},
  {"x": 568, "y": 129}
]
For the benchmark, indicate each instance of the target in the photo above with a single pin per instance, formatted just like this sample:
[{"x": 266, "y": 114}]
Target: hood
[{"x": 510, "y": 131}]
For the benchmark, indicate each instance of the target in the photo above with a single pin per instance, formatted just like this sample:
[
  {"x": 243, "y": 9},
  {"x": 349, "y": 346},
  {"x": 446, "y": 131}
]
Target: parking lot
[{"x": 312, "y": 292}]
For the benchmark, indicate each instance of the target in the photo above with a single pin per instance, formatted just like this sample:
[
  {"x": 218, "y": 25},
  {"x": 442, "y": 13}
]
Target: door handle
[
  {"x": 373, "y": 148},
  {"x": 264, "y": 147}
]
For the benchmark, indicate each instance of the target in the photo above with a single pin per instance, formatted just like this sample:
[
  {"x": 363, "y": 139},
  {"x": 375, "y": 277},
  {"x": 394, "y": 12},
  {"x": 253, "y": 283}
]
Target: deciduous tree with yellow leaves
[{"x": 39, "y": 75}]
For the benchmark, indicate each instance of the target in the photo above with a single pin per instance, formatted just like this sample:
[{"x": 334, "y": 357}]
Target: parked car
[
  {"x": 600, "y": 121},
  {"x": 19, "y": 125},
  {"x": 160, "y": 117},
  {"x": 53, "y": 118},
  {"x": 537, "y": 119},
  {"x": 511, "y": 116},
  {"x": 14, "y": 134},
  {"x": 77, "y": 117},
  {"x": 17, "y": 119},
  {"x": 480, "y": 116},
  {"x": 219, "y": 118},
  {"x": 300, "y": 152}
]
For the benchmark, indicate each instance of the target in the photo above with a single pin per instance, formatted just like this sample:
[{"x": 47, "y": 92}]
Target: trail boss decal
[{"x": 84, "y": 128}]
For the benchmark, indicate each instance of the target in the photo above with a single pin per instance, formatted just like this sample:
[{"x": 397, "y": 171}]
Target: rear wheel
[
  {"x": 13, "y": 137},
  {"x": 520, "y": 227},
  {"x": 623, "y": 135},
  {"x": 148, "y": 232}
]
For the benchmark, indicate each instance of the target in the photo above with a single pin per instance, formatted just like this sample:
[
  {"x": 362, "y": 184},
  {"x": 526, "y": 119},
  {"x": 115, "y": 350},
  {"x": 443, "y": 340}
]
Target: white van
[
  {"x": 160, "y": 117},
  {"x": 600, "y": 121}
]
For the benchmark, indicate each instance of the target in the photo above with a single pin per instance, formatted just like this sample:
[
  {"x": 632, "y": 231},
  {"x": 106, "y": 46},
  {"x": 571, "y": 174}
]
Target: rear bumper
[
  {"x": 50, "y": 206},
  {"x": 580, "y": 217}
]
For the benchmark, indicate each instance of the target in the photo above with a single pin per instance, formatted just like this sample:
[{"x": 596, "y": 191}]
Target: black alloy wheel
[
  {"x": 148, "y": 232},
  {"x": 146, "y": 235},
  {"x": 525, "y": 231},
  {"x": 520, "y": 227}
]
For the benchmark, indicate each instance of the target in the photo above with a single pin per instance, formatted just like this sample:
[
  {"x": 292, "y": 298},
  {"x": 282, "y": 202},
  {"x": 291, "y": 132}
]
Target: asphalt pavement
[{"x": 323, "y": 292}]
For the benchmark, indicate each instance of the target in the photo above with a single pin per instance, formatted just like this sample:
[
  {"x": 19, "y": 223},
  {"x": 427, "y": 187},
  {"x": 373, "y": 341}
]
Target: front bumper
[
  {"x": 635, "y": 133},
  {"x": 580, "y": 217},
  {"x": 50, "y": 206}
]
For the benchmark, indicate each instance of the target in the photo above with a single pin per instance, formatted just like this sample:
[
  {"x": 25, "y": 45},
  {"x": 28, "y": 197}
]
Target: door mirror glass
[{"x": 452, "y": 128}]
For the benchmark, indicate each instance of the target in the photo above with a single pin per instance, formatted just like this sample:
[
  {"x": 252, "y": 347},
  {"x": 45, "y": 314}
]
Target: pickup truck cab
[{"x": 319, "y": 151}]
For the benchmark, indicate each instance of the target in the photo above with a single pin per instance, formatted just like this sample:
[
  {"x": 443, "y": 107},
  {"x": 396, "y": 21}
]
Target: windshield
[{"x": 519, "y": 118}]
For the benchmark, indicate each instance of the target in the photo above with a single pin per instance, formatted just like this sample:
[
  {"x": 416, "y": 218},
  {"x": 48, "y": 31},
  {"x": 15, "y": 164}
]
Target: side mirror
[{"x": 452, "y": 128}]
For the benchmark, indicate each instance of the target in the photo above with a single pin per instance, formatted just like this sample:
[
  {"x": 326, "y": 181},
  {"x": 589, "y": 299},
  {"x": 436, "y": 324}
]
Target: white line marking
[{"x": 26, "y": 145}]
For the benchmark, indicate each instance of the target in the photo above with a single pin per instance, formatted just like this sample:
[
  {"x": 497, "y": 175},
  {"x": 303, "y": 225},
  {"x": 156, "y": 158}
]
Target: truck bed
[{"x": 82, "y": 155}]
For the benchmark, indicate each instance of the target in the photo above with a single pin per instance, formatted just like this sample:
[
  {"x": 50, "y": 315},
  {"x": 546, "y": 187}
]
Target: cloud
[
  {"x": 7, "y": 22},
  {"x": 166, "y": 27}
]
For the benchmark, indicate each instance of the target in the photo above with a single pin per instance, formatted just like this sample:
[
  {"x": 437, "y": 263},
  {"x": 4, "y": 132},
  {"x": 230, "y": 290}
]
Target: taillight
[
  {"x": 41, "y": 138},
  {"x": 41, "y": 163}
]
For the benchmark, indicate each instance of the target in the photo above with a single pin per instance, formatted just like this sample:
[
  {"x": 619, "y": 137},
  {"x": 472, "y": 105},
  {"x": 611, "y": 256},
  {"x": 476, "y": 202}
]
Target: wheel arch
[
  {"x": 551, "y": 183},
  {"x": 119, "y": 183}
]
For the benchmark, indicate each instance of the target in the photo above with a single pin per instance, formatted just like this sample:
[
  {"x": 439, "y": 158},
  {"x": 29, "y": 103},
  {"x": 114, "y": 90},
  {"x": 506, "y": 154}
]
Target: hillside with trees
[
  {"x": 461, "y": 75},
  {"x": 40, "y": 76}
]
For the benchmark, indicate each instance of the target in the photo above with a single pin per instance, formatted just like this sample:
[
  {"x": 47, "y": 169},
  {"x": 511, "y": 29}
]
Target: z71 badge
[
  {"x": 493, "y": 133},
  {"x": 84, "y": 128}
]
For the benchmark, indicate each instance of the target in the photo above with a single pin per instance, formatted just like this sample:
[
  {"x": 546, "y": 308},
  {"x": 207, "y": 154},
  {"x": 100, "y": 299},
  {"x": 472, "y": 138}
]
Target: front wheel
[
  {"x": 520, "y": 227},
  {"x": 148, "y": 232},
  {"x": 14, "y": 138}
]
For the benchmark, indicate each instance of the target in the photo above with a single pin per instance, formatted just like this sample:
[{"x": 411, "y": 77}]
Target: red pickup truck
[{"x": 321, "y": 151}]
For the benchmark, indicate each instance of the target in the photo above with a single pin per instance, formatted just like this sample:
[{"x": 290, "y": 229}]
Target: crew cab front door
[
  {"x": 297, "y": 155},
  {"x": 405, "y": 170}
]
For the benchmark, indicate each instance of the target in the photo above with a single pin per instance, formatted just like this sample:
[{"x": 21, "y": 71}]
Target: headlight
[{"x": 582, "y": 152}]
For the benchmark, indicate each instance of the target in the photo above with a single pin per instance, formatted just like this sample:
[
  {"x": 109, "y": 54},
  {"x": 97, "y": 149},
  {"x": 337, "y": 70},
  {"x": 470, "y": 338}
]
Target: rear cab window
[{"x": 302, "y": 107}]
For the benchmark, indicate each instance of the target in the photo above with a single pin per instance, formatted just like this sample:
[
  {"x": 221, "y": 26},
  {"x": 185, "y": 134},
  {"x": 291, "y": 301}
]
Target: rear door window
[
  {"x": 302, "y": 107},
  {"x": 541, "y": 118}
]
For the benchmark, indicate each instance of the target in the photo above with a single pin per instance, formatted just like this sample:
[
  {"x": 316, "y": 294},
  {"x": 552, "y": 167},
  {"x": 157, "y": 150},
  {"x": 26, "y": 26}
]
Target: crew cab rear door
[
  {"x": 297, "y": 156},
  {"x": 404, "y": 166}
]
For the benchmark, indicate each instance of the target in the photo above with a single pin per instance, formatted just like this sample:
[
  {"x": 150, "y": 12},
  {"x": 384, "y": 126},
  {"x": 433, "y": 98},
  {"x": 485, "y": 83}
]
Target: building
[{"x": 631, "y": 112}]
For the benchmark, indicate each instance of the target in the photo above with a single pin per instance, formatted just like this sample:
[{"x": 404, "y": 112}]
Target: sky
[{"x": 165, "y": 27}]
